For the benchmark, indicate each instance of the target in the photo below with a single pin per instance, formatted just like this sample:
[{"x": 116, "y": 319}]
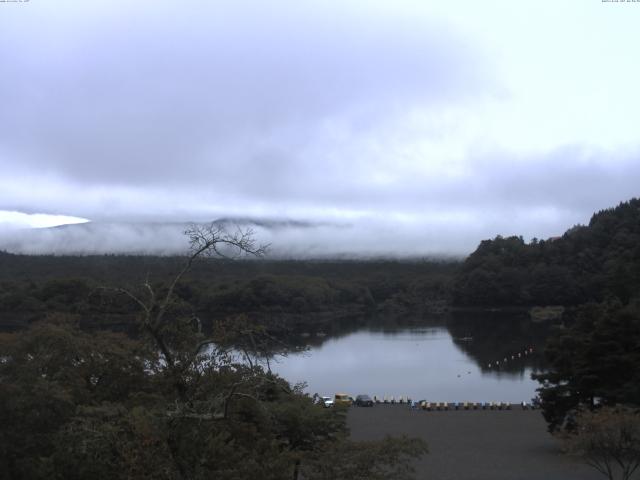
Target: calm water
[{"x": 430, "y": 362}]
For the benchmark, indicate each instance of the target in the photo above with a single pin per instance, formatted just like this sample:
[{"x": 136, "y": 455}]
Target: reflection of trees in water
[
  {"x": 313, "y": 330},
  {"x": 488, "y": 337},
  {"x": 484, "y": 336},
  {"x": 317, "y": 333}
]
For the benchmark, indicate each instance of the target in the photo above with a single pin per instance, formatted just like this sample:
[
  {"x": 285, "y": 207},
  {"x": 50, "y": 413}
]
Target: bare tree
[
  {"x": 212, "y": 240},
  {"x": 608, "y": 440}
]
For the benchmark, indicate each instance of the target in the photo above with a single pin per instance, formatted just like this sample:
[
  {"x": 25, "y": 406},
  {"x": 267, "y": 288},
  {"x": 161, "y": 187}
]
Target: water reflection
[{"x": 441, "y": 359}]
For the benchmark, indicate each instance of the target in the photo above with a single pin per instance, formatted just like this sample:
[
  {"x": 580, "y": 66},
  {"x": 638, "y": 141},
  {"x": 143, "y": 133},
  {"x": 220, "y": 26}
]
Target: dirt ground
[{"x": 475, "y": 444}]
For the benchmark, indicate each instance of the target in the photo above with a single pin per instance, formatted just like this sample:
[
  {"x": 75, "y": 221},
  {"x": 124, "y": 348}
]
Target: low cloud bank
[
  {"x": 365, "y": 238},
  {"x": 295, "y": 240}
]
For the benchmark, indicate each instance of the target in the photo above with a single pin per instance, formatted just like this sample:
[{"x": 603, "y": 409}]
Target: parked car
[
  {"x": 327, "y": 402},
  {"x": 364, "y": 401},
  {"x": 342, "y": 399}
]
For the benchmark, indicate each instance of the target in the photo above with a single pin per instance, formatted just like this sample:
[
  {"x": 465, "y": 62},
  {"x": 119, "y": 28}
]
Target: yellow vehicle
[{"x": 342, "y": 399}]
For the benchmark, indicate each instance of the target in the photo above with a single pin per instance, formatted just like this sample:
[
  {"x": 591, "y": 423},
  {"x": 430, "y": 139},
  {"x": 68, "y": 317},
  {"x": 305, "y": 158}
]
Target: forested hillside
[
  {"x": 171, "y": 401},
  {"x": 588, "y": 263},
  {"x": 31, "y": 286},
  {"x": 595, "y": 269}
]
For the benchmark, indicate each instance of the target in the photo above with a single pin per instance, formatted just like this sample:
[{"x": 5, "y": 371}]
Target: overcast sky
[{"x": 419, "y": 126}]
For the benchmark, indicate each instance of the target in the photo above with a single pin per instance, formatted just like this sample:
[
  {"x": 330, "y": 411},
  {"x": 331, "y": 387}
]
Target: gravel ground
[{"x": 475, "y": 444}]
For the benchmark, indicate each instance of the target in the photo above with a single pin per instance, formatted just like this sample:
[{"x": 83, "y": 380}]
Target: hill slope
[{"x": 587, "y": 263}]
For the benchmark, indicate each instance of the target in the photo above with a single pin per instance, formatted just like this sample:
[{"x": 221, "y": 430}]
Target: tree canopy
[
  {"x": 607, "y": 440},
  {"x": 587, "y": 263},
  {"x": 592, "y": 363},
  {"x": 171, "y": 401}
]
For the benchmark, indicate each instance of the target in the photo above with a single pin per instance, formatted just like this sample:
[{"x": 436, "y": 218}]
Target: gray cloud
[
  {"x": 161, "y": 97},
  {"x": 501, "y": 195},
  {"x": 370, "y": 123}
]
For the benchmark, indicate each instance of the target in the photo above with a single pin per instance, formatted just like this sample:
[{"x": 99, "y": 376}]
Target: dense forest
[
  {"x": 109, "y": 351},
  {"x": 593, "y": 362},
  {"x": 298, "y": 295},
  {"x": 587, "y": 263},
  {"x": 592, "y": 358},
  {"x": 171, "y": 401}
]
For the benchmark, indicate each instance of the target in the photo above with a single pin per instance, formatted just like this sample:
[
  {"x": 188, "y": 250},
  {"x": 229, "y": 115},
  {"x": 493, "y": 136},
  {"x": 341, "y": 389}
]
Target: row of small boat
[
  {"x": 403, "y": 399},
  {"x": 432, "y": 406}
]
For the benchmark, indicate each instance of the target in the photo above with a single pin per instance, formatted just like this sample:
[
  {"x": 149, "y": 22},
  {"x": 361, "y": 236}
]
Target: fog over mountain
[
  {"x": 286, "y": 239},
  {"x": 398, "y": 128}
]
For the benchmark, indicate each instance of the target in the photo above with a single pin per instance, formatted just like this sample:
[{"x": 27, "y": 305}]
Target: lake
[{"x": 450, "y": 360}]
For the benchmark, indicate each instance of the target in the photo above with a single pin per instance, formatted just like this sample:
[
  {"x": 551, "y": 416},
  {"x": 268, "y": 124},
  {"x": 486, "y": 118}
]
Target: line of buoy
[{"x": 527, "y": 351}]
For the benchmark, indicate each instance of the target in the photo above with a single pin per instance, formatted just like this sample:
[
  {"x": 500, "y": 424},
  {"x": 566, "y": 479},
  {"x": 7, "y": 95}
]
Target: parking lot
[{"x": 474, "y": 444}]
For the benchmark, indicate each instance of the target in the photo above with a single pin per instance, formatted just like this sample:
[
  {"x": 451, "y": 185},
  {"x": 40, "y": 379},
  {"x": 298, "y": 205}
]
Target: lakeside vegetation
[
  {"x": 587, "y": 264},
  {"x": 170, "y": 402},
  {"x": 595, "y": 271},
  {"x": 84, "y": 357},
  {"x": 291, "y": 295}
]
